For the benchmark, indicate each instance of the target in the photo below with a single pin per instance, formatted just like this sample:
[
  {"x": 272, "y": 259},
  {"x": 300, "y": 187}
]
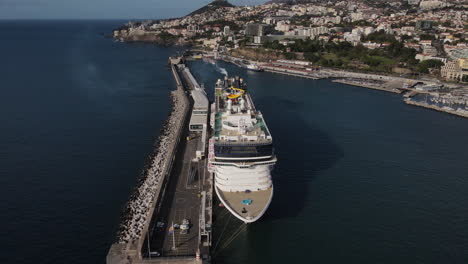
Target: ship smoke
[{"x": 221, "y": 70}]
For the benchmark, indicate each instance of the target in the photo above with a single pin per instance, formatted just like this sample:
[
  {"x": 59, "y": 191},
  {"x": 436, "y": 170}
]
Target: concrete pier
[
  {"x": 384, "y": 86},
  {"x": 175, "y": 186},
  {"x": 285, "y": 72}
]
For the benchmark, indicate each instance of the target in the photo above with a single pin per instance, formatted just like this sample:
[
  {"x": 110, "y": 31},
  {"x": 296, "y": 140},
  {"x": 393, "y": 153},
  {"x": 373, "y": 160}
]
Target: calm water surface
[{"x": 361, "y": 177}]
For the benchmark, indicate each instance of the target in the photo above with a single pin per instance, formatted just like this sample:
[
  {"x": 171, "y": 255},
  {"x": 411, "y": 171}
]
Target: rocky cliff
[
  {"x": 257, "y": 54},
  {"x": 136, "y": 35}
]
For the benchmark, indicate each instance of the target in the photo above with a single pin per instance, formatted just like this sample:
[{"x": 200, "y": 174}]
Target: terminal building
[
  {"x": 198, "y": 125},
  {"x": 199, "y": 117}
]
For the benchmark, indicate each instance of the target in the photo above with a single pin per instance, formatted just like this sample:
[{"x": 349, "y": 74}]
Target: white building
[
  {"x": 429, "y": 50},
  {"x": 455, "y": 70},
  {"x": 431, "y": 4},
  {"x": 352, "y": 37},
  {"x": 368, "y": 30},
  {"x": 423, "y": 57},
  {"x": 356, "y": 16},
  {"x": 282, "y": 26},
  {"x": 387, "y": 28}
]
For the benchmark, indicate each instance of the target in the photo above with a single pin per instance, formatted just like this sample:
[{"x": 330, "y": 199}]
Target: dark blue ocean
[{"x": 361, "y": 177}]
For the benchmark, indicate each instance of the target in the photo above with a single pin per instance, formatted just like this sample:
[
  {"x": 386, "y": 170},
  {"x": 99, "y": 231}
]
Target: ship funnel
[
  {"x": 242, "y": 104},
  {"x": 229, "y": 105}
]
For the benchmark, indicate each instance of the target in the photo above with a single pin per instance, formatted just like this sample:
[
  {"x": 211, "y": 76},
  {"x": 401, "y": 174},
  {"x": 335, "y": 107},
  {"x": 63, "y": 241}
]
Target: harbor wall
[
  {"x": 433, "y": 107},
  {"x": 144, "y": 201},
  {"x": 367, "y": 85},
  {"x": 290, "y": 72},
  {"x": 369, "y": 76}
]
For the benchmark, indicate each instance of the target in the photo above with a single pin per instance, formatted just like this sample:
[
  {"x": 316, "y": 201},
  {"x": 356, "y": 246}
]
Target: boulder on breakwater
[{"x": 136, "y": 213}]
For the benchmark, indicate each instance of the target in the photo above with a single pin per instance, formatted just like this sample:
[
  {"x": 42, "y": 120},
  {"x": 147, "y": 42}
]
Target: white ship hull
[
  {"x": 241, "y": 152},
  {"x": 234, "y": 185}
]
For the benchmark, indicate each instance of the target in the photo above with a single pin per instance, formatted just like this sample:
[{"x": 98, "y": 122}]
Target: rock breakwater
[{"x": 138, "y": 210}]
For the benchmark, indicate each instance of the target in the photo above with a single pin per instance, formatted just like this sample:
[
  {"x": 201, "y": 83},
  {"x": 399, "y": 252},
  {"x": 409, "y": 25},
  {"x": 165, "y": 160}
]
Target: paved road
[{"x": 181, "y": 201}]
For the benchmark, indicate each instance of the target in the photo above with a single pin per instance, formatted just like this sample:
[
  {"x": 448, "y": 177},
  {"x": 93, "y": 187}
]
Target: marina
[{"x": 437, "y": 108}]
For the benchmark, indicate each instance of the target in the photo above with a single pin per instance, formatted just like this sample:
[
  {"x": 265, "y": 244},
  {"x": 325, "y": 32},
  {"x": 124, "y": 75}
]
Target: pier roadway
[{"x": 181, "y": 201}]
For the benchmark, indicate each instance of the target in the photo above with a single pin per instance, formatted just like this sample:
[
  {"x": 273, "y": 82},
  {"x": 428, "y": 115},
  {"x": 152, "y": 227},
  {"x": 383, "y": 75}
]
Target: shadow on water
[{"x": 302, "y": 151}]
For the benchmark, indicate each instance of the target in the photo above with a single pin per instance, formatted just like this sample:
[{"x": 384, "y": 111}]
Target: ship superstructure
[{"x": 241, "y": 152}]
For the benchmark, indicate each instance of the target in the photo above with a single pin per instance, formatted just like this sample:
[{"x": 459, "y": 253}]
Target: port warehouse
[
  {"x": 133, "y": 251},
  {"x": 199, "y": 116}
]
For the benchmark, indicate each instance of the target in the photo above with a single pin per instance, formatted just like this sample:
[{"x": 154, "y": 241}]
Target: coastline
[{"x": 385, "y": 83}]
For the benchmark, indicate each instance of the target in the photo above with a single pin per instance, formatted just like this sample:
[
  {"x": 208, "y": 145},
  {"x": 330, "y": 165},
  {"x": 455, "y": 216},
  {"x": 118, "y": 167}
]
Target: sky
[{"x": 103, "y": 9}]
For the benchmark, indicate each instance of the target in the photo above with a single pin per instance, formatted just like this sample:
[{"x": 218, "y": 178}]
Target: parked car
[
  {"x": 185, "y": 226},
  {"x": 160, "y": 224}
]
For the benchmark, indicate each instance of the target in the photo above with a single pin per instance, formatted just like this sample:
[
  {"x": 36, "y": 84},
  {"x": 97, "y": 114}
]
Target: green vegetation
[
  {"x": 427, "y": 37},
  {"x": 424, "y": 66},
  {"x": 290, "y": 56},
  {"x": 345, "y": 55},
  {"x": 379, "y": 37},
  {"x": 166, "y": 38},
  {"x": 447, "y": 24},
  {"x": 212, "y": 7}
]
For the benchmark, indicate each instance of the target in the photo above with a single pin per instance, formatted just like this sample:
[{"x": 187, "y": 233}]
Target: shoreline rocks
[{"x": 136, "y": 211}]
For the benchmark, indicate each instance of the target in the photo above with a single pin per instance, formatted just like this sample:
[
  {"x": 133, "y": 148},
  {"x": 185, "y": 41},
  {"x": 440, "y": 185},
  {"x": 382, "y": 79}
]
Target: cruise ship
[{"x": 241, "y": 153}]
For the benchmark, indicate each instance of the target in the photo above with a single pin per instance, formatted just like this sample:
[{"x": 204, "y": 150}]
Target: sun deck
[{"x": 259, "y": 127}]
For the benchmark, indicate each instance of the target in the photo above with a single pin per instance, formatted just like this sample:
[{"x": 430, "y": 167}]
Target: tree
[
  {"x": 447, "y": 24},
  {"x": 310, "y": 56},
  {"x": 290, "y": 56},
  {"x": 275, "y": 45},
  {"x": 380, "y": 37},
  {"x": 464, "y": 78},
  {"x": 424, "y": 66},
  {"x": 427, "y": 37}
]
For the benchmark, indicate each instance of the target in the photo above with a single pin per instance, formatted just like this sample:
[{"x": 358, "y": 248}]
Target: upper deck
[{"x": 237, "y": 122}]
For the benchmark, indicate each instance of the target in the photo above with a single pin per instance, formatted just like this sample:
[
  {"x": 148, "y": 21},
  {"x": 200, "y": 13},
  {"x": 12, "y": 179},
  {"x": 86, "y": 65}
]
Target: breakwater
[{"x": 143, "y": 202}]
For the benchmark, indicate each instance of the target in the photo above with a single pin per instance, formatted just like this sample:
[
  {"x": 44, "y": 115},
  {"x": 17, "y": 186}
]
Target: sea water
[{"x": 361, "y": 177}]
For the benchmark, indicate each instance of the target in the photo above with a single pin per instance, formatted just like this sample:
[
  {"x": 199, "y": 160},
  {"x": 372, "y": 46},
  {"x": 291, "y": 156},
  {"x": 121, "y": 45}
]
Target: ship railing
[{"x": 260, "y": 142}]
